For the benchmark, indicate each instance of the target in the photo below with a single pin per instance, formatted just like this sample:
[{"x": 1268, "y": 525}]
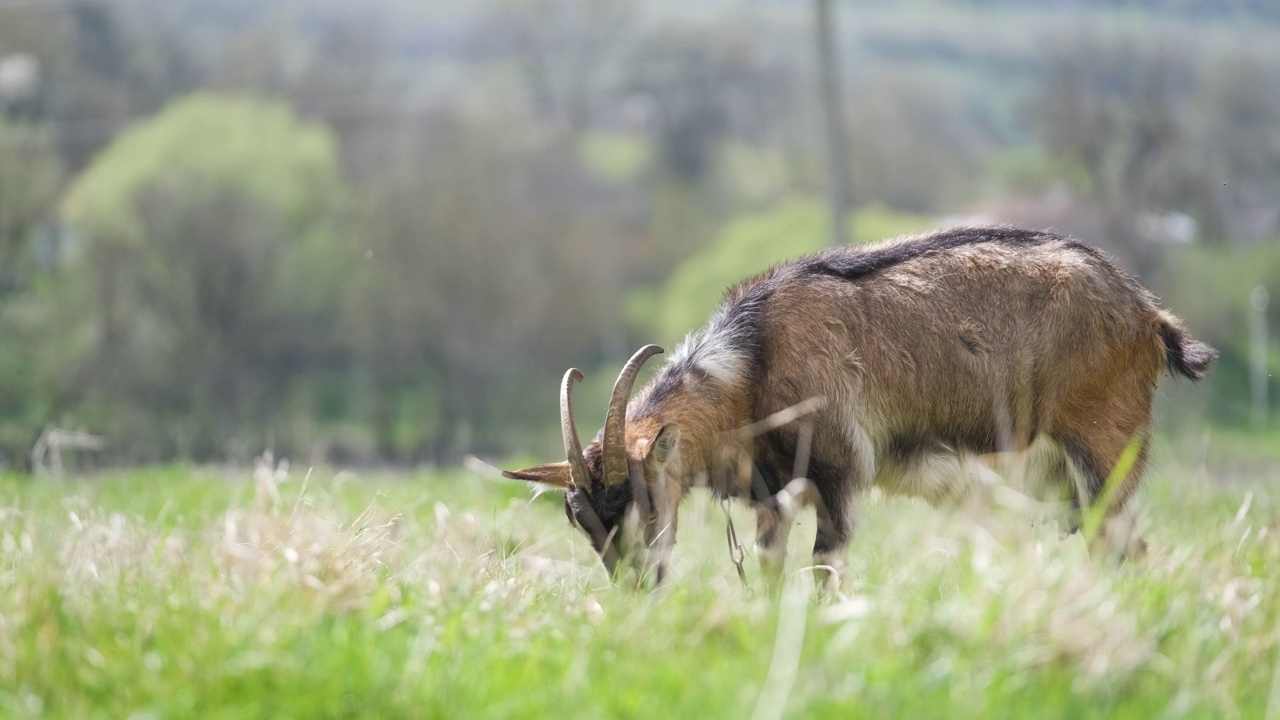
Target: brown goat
[{"x": 927, "y": 352}]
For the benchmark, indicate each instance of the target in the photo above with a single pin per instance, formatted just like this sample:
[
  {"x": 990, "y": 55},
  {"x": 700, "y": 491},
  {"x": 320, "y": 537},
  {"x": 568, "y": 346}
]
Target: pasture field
[{"x": 187, "y": 593}]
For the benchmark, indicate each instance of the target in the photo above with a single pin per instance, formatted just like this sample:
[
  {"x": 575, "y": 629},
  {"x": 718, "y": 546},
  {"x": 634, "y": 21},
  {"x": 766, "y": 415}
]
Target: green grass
[{"x": 178, "y": 593}]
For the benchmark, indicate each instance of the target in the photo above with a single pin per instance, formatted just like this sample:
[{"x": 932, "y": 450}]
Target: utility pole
[
  {"x": 1258, "y": 300},
  {"x": 825, "y": 27}
]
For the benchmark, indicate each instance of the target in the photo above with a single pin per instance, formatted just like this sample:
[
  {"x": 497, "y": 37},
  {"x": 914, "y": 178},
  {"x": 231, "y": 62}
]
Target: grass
[{"x": 176, "y": 593}]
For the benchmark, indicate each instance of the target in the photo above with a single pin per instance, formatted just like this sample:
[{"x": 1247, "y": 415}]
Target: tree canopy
[{"x": 207, "y": 259}]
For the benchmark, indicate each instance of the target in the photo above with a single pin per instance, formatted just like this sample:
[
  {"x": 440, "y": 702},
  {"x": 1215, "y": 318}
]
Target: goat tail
[{"x": 1184, "y": 354}]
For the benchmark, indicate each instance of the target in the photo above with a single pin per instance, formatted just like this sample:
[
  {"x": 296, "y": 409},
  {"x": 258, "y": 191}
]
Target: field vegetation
[
  {"x": 374, "y": 235},
  {"x": 181, "y": 592},
  {"x": 377, "y": 233}
]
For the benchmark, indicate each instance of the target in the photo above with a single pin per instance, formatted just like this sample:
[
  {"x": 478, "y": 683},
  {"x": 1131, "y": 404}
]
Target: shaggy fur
[{"x": 930, "y": 351}]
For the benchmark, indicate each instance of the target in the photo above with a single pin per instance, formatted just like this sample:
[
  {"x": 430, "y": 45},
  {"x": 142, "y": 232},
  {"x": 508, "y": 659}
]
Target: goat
[{"x": 930, "y": 352}]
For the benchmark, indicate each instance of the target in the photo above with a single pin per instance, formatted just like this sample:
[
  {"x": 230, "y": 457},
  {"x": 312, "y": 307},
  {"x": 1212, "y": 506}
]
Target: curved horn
[
  {"x": 615, "y": 450},
  {"x": 569, "y": 428}
]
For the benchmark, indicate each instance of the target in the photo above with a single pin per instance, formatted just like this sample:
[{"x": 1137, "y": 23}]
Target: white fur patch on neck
[
  {"x": 722, "y": 364},
  {"x": 713, "y": 351},
  {"x": 709, "y": 351}
]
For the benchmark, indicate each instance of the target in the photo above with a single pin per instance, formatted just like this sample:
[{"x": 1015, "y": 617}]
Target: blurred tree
[
  {"x": 100, "y": 65},
  {"x": 1114, "y": 109},
  {"x": 700, "y": 84},
  {"x": 750, "y": 244},
  {"x": 570, "y": 52},
  {"x": 702, "y": 93},
  {"x": 337, "y": 74},
  {"x": 1210, "y": 287},
  {"x": 209, "y": 274},
  {"x": 30, "y": 175},
  {"x": 913, "y": 148},
  {"x": 485, "y": 256},
  {"x": 257, "y": 63},
  {"x": 45, "y": 38},
  {"x": 832, "y": 98},
  {"x": 347, "y": 82},
  {"x": 1238, "y": 146}
]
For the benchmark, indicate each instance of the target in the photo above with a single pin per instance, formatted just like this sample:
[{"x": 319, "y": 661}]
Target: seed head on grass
[{"x": 338, "y": 565}]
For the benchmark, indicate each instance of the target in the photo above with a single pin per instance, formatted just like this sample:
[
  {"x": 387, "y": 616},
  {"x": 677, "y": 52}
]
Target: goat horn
[
  {"x": 615, "y": 449},
  {"x": 569, "y": 428}
]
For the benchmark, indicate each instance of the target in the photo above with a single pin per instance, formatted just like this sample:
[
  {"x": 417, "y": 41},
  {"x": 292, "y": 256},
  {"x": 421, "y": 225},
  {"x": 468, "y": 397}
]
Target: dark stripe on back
[
  {"x": 740, "y": 316},
  {"x": 852, "y": 263}
]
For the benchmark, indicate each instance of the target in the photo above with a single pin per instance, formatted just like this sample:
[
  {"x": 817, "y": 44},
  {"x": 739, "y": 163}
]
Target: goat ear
[
  {"x": 553, "y": 475},
  {"x": 665, "y": 443}
]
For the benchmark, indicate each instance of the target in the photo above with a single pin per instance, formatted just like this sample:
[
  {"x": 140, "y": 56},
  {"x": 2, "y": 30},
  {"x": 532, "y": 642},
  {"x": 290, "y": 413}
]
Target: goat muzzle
[{"x": 601, "y": 540}]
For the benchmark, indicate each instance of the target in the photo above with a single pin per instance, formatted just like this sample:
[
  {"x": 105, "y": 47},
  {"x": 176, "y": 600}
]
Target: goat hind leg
[
  {"x": 1091, "y": 468},
  {"x": 835, "y": 528},
  {"x": 830, "y": 539}
]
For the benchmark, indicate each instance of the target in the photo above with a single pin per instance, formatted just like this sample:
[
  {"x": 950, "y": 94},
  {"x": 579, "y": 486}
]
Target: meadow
[{"x": 215, "y": 593}]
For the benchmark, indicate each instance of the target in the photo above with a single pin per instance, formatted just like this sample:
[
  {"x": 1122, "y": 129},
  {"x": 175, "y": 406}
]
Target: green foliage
[
  {"x": 445, "y": 595},
  {"x": 258, "y": 148},
  {"x": 875, "y": 223},
  {"x": 484, "y": 268},
  {"x": 1209, "y": 287},
  {"x": 616, "y": 157},
  {"x": 209, "y": 260},
  {"x": 221, "y": 286},
  {"x": 913, "y": 145},
  {"x": 755, "y": 173},
  {"x": 1211, "y": 290},
  {"x": 746, "y": 247},
  {"x": 1030, "y": 170},
  {"x": 30, "y": 175}
]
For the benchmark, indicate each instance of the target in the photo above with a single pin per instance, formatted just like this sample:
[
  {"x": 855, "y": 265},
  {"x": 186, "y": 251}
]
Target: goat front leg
[
  {"x": 774, "y": 519},
  {"x": 773, "y": 526}
]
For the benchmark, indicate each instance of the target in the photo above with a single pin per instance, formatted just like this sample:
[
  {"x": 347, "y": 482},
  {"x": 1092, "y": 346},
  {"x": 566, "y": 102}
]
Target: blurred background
[{"x": 380, "y": 231}]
